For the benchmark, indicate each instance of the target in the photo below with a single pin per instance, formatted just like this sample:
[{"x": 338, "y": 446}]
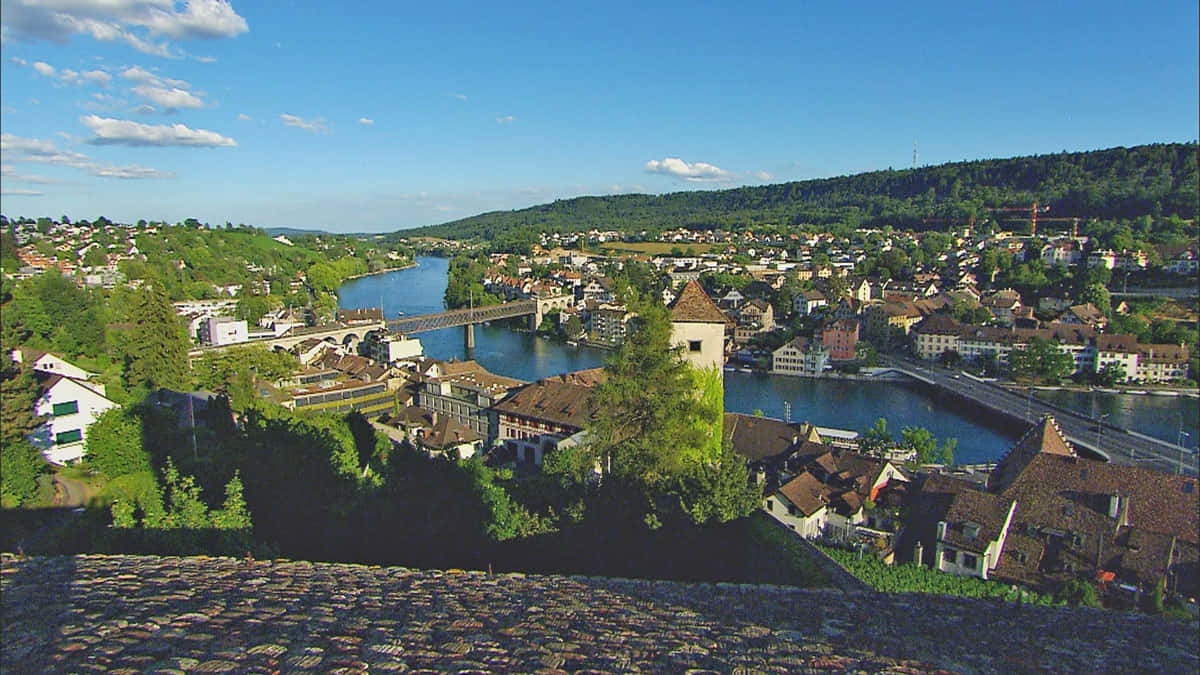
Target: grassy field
[{"x": 654, "y": 248}]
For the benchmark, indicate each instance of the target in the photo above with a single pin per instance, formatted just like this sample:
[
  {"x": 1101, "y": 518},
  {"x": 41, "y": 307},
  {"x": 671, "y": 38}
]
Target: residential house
[
  {"x": 450, "y": 439},
  {"x": 1086, "y": 314},
  {"x": 69, "y": 406},
  {"x": 536, "y": 417},
  {"x": 755, "y": 317},
  {"x": 806, "y": 302},
  {"x": 50, "y": 364},
  {"x": 601, "y": 290},
  {"x": 840, "y": 337},
  {"x": 610, "y": 324},
  {"x": 801, "y": 356},
  {"x": 466, "y": 392},
  {"x": 1082, "y": 518},
  {"x": 829, "y": 495}
]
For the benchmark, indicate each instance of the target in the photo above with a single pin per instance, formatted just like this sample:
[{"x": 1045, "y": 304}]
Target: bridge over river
[{"x": 1113, "y": 443}]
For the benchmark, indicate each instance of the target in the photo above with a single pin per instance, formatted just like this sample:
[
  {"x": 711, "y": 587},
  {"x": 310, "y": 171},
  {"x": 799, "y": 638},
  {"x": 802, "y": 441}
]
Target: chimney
[
  {"x": 1123, "y": 520},
  {"x": 1114, "y": 505}
]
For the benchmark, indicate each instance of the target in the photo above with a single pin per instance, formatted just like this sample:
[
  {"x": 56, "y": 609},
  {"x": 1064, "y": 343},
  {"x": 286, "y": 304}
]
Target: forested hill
[{"x": 1159, "y": 180}]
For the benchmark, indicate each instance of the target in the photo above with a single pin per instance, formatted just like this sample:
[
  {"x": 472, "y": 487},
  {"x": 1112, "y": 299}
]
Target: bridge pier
[{"x": 469, "y": 336}]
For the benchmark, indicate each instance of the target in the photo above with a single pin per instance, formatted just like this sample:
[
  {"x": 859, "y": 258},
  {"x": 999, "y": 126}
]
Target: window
[
  {"x": 969, "y": 561},
  {"x": 950, "y": 555},
  {"x": 68, "y": 436},
  {"x": 693, "y": 345},
  {"x": 67, "y": 408}
]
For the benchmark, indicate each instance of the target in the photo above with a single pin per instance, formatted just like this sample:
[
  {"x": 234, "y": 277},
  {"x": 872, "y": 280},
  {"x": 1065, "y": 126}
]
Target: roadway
[{"x": 1117, "y": 444}]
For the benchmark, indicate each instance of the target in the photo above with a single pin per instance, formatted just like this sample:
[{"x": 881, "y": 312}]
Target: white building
[
  {"x": 51, "y": 364},
  {"x": 70, "y": 407},
  {"x": 223, "y": 330},
  {"x": 389, "y": 347},
  {"x": 801, "y": 356}
]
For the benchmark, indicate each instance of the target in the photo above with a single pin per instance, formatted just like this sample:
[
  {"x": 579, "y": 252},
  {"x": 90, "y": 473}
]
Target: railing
[{"x": 462, "y": 317}]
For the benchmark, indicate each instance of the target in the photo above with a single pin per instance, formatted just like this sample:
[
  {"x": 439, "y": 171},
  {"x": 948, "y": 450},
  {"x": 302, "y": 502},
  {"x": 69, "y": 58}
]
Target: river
[{"x": 826, "y": 403}]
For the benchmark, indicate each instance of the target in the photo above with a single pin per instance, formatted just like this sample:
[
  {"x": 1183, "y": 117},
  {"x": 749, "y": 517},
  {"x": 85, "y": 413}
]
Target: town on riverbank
[{"x": 155, "y": 367}]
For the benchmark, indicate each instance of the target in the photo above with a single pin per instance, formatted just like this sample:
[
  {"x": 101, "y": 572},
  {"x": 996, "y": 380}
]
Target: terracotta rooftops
[
  {"x": 805, "y": 493},
  {"x": 694, "y": 306},
  {"x": 552, "y": 400}
]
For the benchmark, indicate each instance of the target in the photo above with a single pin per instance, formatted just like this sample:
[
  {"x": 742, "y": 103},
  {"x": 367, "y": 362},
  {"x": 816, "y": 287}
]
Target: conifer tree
[{"x": 157, "y": 348}]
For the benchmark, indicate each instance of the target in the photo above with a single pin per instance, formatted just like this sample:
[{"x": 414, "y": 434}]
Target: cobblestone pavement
[{"x": 130, "y": 614}]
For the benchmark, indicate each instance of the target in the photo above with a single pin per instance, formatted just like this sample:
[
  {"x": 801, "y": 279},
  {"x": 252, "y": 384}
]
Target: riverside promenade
[{"x": 137, "y": 614}]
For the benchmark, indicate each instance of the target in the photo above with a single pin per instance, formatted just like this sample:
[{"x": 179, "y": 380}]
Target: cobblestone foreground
[{"x": 148, "y": 614}]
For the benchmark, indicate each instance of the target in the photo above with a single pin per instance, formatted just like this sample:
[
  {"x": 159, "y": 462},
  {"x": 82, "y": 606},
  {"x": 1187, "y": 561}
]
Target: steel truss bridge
[{"x": 463, "y": 317}]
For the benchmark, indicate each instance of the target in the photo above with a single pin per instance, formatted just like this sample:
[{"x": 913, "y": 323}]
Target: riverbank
[
  {"x": 1189, "y": 392},
  {"x": 377, "y": 273}
]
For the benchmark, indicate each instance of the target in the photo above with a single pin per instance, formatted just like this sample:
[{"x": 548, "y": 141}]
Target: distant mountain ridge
[{"x": 1157, "y": 180}]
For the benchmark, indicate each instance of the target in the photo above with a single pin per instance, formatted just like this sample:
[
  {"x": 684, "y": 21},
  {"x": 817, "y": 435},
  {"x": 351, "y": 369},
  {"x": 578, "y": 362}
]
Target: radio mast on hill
[{"x": 914, "y": 154}]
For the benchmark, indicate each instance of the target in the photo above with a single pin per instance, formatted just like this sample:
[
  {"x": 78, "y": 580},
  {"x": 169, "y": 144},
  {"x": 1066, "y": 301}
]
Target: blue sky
[{"x": 382, "y": 116}]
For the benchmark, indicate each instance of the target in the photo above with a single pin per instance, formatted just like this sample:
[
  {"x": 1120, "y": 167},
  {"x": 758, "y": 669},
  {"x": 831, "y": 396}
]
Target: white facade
[
  {"x": 223, "y": 330},
  {"x": 391, "y": 347},
  {"x": 809, "y": 527},
  {"x": 55, "y": 365},
  {"x": 70, "y": 406},
  {"x": 703, "y": 344},
  {"x": 794, "y": 359}
]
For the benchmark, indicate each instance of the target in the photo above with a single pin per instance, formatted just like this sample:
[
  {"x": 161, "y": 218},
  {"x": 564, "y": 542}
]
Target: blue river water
[{"x": 826, "y": 403}]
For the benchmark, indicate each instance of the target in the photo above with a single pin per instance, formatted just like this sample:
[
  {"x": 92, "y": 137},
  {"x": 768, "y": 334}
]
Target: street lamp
[
  {"x": 1100, "y": 428},
  {"x": 1179, "y": 442}
]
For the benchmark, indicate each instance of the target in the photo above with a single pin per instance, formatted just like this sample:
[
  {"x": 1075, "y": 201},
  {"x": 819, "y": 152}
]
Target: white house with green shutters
[{"x": 69, "y": 406}]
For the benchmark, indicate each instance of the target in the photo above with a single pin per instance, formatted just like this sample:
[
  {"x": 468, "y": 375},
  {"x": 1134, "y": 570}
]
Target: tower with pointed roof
[
  {"x": 698, "y": 327},
  {"x": 1042, "y": 438}
]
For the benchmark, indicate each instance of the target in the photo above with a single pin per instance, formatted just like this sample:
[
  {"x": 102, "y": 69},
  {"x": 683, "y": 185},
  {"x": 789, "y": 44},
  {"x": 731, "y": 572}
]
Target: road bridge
[{"x": 1110, "y": 442}]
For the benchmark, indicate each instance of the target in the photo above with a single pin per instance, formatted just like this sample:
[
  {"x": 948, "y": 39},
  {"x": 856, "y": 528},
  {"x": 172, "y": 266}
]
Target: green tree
[
  {"x": 95, "y": 257},
  {"x": 115, "y": 443},
  {"x": 922, "y": 442},
  {"x": 1040, "y": 359},
  {"x": 876, "y": 440},
  {"x": 1110, "y": 374},
  {"x": 157, "y": 355},
  {"x": 648, "y": 413},
  {"x": 20, "y": 461}
]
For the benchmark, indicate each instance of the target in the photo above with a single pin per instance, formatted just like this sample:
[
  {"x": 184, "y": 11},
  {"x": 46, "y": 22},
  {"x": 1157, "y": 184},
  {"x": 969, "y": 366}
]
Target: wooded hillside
[{"x": 1157, "y": 180}]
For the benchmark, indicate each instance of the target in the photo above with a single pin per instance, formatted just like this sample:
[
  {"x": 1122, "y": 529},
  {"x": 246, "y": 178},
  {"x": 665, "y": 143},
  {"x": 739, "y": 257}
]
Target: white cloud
[
  {"x": 11, "y": 174},
  {"x": 365, "y": 120},
  {"x": 205, "y": 59},
  {"x": 315, "y": 125},
  {"x": 763, "y": 175},
  {"x": 124, "y": 132},
  {"x": 140, "y": 74},
  {"x": 98, "y": 77},
  {"x": 507, "y": 119},
  {"x": 244, "y": 117},
  {"x": 144, "y": 110},
  {"x": 134, "y": 22},
  {"x": 171, "y": 98},
  {"x": 22, "y": 193},
  {"x": 698, "y": 172},
  {"x": 18, "y": 60},
  {"x": 43, "y": 69},
  {"x": 17, "y": 149},
  {"x": 461, "y": 97}
]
